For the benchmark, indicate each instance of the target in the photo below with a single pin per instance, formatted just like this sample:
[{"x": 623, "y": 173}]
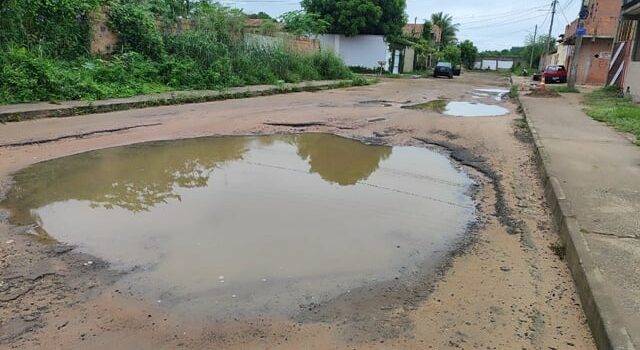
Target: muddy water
[{"x": 246, "y": 226}]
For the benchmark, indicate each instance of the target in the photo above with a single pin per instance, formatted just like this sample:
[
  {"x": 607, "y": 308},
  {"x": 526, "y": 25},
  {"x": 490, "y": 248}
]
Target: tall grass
[{"x": 148, "y": 59}]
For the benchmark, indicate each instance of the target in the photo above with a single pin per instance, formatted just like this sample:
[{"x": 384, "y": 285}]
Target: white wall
[
  {"x": 492, "y": 64},
  {"x": 505, "y": 64},
  {"x": 489, "y": 64},
  {"x": 632, "y": 80},
  {"x": 358, "y": 51}
]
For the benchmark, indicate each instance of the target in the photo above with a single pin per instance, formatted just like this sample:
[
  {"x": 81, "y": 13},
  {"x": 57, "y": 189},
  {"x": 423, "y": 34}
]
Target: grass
[
  {"x": 606, "y": 105},
  {"x": 564, "y": 89},
  {"x": 559, "y": 250},
  {"x": 514, "y": 91}
]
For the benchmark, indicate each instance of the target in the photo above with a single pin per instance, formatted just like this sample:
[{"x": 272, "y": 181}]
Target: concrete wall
[
  {"x": 493, "y": 64},
  {"x": 409, "y": 57},
  {"x": 358, "y": 51},
  {"x": 632, "y": 80}
]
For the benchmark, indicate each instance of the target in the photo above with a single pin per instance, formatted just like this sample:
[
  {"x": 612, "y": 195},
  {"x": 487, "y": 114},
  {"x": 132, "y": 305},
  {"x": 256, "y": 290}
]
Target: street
[{"x": 507, "y": 287}]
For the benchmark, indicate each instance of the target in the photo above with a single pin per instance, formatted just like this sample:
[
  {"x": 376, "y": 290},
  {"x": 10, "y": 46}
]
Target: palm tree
[{"x": 447, "y": 28}]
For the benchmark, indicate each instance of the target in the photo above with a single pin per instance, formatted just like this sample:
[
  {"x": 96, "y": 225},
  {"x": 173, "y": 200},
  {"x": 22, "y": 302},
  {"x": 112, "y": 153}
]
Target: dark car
[
  {"x": 443, "y": 69},
  {"x": 555, "y": 73}
]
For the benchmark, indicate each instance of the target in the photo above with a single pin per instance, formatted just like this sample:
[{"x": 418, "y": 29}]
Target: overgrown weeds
[
  {"x": 514, "y": 91},
  {"x": 151, "y": 56},
  {"x": 559, "y": 250},
  {"x": 608, "y": 106}
]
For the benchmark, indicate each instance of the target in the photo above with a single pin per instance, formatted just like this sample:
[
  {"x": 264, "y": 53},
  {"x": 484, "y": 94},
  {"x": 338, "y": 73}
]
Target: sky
[{"x": 491, "y": 25}]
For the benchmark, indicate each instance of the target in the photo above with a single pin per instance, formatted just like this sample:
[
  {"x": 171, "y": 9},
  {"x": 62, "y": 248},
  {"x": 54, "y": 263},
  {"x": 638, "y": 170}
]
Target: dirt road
[{"x": 507, "y": 290}]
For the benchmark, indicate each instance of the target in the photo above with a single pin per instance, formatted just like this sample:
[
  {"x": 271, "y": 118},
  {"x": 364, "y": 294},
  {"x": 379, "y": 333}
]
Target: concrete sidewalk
[
  {"x": 593, "y": 180},
  {"x": 25, "y": 111}
]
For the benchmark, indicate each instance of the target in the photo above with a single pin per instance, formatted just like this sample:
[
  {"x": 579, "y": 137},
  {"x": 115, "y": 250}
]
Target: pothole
[{"x": 233, "y": 227}]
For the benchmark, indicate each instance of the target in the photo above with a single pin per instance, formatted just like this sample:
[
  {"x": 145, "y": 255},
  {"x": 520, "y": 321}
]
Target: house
[
  {"x": 624, "y": 70},
  {"x": 595, "y": 54}
]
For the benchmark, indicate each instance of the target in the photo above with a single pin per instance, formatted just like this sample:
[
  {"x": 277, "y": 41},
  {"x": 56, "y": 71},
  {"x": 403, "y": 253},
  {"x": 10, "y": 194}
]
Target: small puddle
[
  {"x": 497, "y": 94},
  {"x": 244, "y": 226},
  {"x": 470, "y": 109}
]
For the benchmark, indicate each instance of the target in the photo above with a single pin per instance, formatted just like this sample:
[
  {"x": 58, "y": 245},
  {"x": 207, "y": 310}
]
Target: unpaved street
[{"x": 505, "y": 289}]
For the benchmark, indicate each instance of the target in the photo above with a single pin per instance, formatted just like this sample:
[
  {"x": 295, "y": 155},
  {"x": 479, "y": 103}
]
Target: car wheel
[{"x": 451, "y": 76}]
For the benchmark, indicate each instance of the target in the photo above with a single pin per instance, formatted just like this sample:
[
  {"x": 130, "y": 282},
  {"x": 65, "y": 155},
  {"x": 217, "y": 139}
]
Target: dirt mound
[{"x": 543, "y": 93}]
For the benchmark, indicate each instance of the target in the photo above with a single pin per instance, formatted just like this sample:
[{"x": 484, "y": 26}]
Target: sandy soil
[{"x": 507, "y": 290}]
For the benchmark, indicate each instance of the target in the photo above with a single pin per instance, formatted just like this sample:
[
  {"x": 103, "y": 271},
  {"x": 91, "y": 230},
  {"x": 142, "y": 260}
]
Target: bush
[
  {"x": 52, "y": 28},
  {"x": 136, "y": 29},
  {"x": 212, "y": 55}
]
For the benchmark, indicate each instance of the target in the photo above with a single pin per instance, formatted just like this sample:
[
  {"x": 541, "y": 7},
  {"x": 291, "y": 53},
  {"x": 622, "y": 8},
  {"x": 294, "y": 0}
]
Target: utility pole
[
  {"x": 573, "y": 71},
  {"x": 533, "y": 47},
  {"x": 546, "y": 48}
]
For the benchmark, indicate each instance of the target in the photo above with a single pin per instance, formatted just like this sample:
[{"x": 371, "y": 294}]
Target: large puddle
[{"x": 245, "y": 226}]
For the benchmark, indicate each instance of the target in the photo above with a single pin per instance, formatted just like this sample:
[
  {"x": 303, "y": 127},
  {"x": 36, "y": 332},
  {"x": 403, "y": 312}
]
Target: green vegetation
[
  {"x": 304, "y": 24},
  {"x": 468, "y": 53},
  {"x": 559, "y": 250},
  {"x": 606, "y": 105},
  {"x": 45, "y": 55},
  {"x": 353, "y": 17},
  {"x": 447, "y": 27},
  {"x": 564, "y": 89},
  {"x": 514, "y": 91}
]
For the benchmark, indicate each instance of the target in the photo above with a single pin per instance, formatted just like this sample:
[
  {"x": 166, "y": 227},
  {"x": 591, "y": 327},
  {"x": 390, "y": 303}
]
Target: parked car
[
  {"x": 443, "y": 69},
  {"x": 555, "y": 73},
  {"x": 457, "y": 70}
]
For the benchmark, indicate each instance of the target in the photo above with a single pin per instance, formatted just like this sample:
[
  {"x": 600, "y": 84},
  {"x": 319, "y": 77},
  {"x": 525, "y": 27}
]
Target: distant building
[
  {"x": 495, "y": 63},
  {"x": 601, "y": 25},
  {"x": 624, "y": 70}
]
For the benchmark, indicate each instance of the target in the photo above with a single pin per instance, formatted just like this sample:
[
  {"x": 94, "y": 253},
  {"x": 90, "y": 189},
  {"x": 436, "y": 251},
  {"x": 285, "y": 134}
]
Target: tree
[
  {"x": 353, "y": 17},
  {"x": 447, "y": 27},
  {"x": 304, "y": 24},
  {"x": 452, "y": 54},
  {"x": 468, "y": 53},
  {"x": 260, "y": 15},
  {"x": 536, "y": 47}
]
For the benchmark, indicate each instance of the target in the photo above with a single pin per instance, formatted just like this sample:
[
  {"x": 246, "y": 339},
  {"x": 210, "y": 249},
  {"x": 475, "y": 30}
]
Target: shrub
[{"x": 136, "y": 29}]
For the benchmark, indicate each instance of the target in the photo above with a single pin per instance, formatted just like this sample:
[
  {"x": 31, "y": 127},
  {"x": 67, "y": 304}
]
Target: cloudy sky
[{"x": 491, "y": 25}]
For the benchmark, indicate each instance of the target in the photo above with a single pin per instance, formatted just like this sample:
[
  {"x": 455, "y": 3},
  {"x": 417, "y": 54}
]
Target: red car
[{"x": 555, "y": 73}]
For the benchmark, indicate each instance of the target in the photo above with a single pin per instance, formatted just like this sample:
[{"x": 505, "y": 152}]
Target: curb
[
  {"x": 175, "y": 98},
  {"x": 606, "y": 325}
]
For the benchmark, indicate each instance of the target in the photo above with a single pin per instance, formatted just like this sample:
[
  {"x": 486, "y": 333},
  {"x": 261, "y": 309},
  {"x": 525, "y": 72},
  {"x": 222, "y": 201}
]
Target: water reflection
[
  {"x": 139, "y": 177},
  {"x": 339, "y": 160},
  {"x": 135, "y": 178}
]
